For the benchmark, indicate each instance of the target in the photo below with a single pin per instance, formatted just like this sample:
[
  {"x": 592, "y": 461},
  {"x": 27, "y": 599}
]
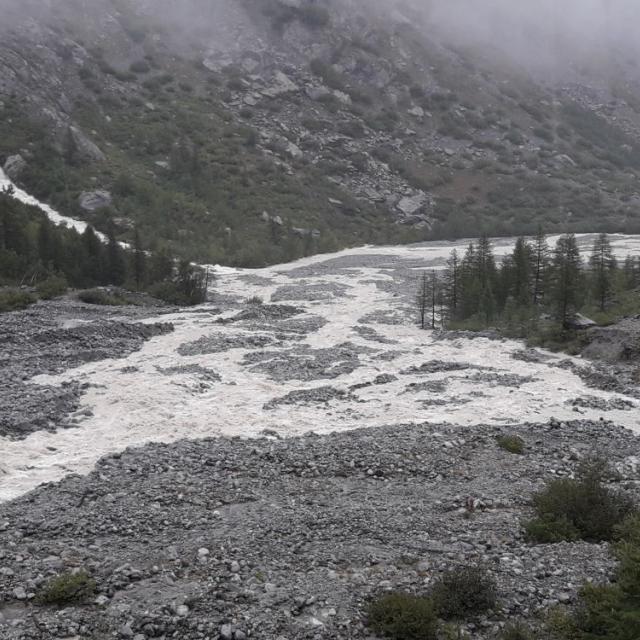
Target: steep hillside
[{"x": 255, "y": 131}]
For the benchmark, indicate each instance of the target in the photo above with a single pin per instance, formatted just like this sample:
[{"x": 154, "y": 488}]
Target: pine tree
[
  {"x": 427, "y": 299},
  {"x": 422, "y": 299},
  {"x": 540, "y": 266},
  {"x": 116, "y": 267},
  {"x": 451, "y": 291},
  {"x": 93, "y": 258},
  {"x": 603, "y": 265},
  {"x": 631, "y": 273},
  {"x": 522, "y": 272},
  {"x": 567, "y": 264},
  {"x": 138, "y": 261},
  {"x": 470, "y": 289}
]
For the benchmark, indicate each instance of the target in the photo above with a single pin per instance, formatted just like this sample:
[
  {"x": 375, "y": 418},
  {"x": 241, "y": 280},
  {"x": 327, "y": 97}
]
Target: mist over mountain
[{"x": 255, "y": 131}]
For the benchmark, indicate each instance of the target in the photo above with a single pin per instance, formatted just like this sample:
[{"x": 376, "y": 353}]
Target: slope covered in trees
[{"x": 39, "y": 254}]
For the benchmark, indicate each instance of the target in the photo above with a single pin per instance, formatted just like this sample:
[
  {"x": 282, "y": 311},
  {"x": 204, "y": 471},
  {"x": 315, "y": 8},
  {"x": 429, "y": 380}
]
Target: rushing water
[{"x": 134, "y": 401}]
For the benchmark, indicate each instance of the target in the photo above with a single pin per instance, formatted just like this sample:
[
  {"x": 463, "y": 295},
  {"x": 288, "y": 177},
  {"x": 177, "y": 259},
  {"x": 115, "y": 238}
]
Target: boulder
[
  {"x": 409, "y": 206},
  {"x": 94, "y": 200},
  {"x": 578, "y": 322},
  {"x": 14, "y": 166},
  {"x": 282, "y": 84},
  {"x": 85, "y": 149}
]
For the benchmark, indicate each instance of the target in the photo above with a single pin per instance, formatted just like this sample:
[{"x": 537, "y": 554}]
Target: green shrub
[
  {"x": 52, "y": 287},
  {"x": 610, "y": 611},
  {"x": 67, "y": 588},
  {"x": 583, "y": 508},
  {"x": 402, "y": 616},
  {"x": 102, "y": 297},
  {"x": 463, "y": 592},
  {"x": 516, "y": 631},
  {"x": 511, "y": 443},
  {"x": 15, "y": 300}
]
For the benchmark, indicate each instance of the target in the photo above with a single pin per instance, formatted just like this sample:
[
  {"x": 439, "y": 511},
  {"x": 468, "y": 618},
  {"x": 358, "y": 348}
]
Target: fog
[
  {"x": 541, "y": 32},
  {"x": 537, "y": 31}
]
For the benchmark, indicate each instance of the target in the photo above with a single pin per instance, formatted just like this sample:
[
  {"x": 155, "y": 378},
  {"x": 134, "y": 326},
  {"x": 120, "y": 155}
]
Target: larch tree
[
  {"x": 567, "y": 265},
  {"x": 540, "y": 265},
  {"x": 603, "y": 266}
]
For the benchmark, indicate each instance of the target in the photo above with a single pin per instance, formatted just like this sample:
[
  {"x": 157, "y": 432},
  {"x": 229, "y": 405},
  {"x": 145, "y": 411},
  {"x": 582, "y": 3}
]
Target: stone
[
  {"x": 226, "y": 632},
  {"x": 409, "y": 206},
  {"x": 85, "y": 148},
  {"x": 14, "y": 166},
  {"x": 317, "y": 93},
  {"x": 95, "y": 200},
  {"x": 282, "y": 84},
  {"x": 20, "y": 593}
]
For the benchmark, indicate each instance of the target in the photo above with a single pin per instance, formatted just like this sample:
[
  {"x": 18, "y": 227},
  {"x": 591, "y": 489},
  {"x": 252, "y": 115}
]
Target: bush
[
  {"x": 102, "y": 297},
  {"x": 511, "y": 443},
  {"x": 609, "y": 612},
  {"x": 52, "y": 287},
  {"x": 464, "y": 592},
  {"x": 15, "y": 300},
  {"x": 67, "y": 588},
  {"x": 403, "y": 616},
  {"x": 516, "y": 632},
  {"x": 583, "y": 508}
]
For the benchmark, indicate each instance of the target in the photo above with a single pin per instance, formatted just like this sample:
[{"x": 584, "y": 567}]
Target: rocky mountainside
[{"x": 255, "y": 131}]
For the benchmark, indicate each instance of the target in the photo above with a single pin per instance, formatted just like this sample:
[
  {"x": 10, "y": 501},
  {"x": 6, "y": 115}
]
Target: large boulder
[
  {"x": 578, "y": 322},
  {"x": 94, "y": 200},
  {"x": 14, "y": 166},
  {"x": 85, "y": 149}
]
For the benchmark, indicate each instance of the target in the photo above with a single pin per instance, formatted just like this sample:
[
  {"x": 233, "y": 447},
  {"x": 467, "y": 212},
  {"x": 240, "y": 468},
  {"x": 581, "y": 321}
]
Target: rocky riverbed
[
  {"x": 262, "y": 465},
  {"x": 289, "y": 538}
]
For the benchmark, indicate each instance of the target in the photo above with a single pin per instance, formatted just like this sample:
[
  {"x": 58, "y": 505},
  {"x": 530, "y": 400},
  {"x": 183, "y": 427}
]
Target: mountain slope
[{"x": 257, "y": 131}]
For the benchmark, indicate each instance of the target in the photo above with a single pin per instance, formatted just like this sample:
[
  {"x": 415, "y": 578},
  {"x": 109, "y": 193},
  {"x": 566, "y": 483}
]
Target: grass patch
[
  {"x": 103, "y": 298},
  {"x": 579, "y": 509},
  {"x": 52, "y": 287},
  {"x": 15, "y": 300},
  {"x": 511, "y": 443},
  {"x": 67, "y": 588},
  {"x": 517, "y": 631}
]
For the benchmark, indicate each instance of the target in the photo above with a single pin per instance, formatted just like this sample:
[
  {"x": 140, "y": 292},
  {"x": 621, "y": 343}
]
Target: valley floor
[
  {"x": 283, "y": 533},
  {"x": 334, "y": 347},
  {"x": 289, "y": 538}
]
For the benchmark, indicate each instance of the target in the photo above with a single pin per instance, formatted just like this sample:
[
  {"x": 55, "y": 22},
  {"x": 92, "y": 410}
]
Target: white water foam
[{"x": 142, "y": 404}]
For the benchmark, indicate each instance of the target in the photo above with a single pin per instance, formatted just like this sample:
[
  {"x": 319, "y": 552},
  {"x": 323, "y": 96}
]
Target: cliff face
[{"x": 252, "y": 132}]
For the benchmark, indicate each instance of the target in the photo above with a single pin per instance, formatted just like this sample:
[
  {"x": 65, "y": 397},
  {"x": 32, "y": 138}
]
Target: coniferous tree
[
  {"x": 603, "y": 266},
  {"x": 522, "y": 272},
  {"x": 631, "y": 273},
  {"x": 451, "y": 291},
  {"x": 138, "y": 261},
  {"x": 470, "y": 287},
  {"x": 540, "y": 265},
  {"x": 567, "y": 264},
  {"x": 116, "y": 268},
  {"x": 422, "y": 299}
]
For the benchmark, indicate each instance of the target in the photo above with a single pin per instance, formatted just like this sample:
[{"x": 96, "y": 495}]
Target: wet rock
[{"x": 94, "y": 200}]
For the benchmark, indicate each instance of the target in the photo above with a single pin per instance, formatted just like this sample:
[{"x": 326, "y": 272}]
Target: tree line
[
  {"x": 34, "y": 251},
  {"x": 534, "y": 282}
]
